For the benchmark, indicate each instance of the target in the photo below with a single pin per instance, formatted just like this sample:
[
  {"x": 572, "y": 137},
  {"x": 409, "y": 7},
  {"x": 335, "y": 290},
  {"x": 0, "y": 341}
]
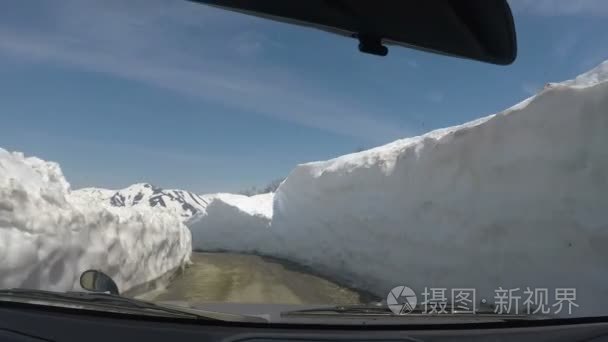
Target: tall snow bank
[
  {"x": 48, "y": 237},
  {"x": 515, "y": 199},
  {"x": 234, "y": 222}
]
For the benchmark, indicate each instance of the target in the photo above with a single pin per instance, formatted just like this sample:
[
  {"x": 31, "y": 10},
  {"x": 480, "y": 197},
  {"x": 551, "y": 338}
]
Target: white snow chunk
[{"x": 234, "y": 222}]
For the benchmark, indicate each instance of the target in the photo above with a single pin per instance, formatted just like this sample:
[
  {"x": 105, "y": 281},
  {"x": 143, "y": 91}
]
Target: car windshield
[{"x": 187, "y": 154}]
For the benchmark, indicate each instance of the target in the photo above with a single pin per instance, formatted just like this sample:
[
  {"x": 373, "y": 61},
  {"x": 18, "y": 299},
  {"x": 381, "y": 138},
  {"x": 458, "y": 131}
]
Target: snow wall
[
  {"x": 234, "y": 223},
  {"x": 48, "y": 237},
  {"x": 512, "y": 200}
]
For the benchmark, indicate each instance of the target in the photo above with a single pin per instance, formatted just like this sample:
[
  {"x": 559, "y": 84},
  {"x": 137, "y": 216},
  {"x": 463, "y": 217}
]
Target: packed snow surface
[{"x": 48, "y": 237}]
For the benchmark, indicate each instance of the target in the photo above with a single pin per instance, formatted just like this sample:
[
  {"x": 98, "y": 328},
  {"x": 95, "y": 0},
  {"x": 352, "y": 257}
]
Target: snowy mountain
[{"x": 183, "y": 204}]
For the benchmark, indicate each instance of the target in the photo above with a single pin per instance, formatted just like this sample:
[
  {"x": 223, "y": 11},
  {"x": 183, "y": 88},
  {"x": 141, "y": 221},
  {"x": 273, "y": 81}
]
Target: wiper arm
[{"x": 97, "y": 300}]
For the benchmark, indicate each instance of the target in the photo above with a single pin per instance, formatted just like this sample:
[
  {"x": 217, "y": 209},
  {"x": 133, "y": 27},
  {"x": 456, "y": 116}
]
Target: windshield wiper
[
  {"x": 101, "y": 301},
  {"x": 379, "y": 309}
]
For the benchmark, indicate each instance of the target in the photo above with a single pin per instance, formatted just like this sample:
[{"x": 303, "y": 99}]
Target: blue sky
[{"x": 183, "y": 95}]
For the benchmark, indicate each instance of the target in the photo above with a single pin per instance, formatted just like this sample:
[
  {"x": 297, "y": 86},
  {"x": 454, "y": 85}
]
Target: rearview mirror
[
  {"x": 97, "y": 281},
  {"x": 481, "y": 30}
]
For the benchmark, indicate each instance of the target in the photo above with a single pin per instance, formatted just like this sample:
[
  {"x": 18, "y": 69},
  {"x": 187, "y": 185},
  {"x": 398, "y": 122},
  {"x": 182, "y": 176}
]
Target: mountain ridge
[{"x": 181, "y": 202}]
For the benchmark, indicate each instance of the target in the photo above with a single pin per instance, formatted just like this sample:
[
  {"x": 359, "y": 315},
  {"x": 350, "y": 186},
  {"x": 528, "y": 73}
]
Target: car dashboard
[{"x": 28, "y": 323}]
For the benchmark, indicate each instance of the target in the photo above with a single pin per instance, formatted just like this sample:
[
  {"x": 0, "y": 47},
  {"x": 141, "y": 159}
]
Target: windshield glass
[{"x": 204, "y": 157}]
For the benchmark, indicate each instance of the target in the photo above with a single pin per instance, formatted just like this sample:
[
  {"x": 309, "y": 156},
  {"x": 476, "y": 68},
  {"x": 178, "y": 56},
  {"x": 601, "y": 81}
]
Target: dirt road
[{"x": 238, "y": 278}]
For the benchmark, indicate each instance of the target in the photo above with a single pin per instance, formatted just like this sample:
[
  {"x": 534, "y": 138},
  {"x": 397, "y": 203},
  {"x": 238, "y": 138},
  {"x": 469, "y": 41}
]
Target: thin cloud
[
  {"x": 248, "y": 48},
  {"x": 171, "y": 50},
  {"x": 251, "y": 44},
  {"x": 565, "y": 45},
  {"x": 412, "y": 63},
  {"x": 435, "y": 96}
]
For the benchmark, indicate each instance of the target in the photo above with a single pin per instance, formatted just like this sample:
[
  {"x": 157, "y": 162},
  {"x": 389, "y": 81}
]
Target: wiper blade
[
  {"x": 344, "y": 309},
  {"x": 98, "y": 300},
  {"x": 378, "y": 309}
]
